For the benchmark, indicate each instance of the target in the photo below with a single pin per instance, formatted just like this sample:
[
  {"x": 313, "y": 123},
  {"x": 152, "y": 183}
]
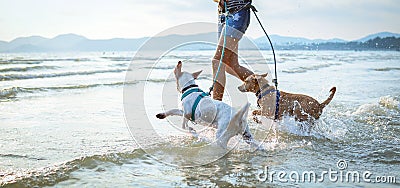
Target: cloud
[
  {"x": 98, "y": 19},
  {"x": 349, "y": 19}
]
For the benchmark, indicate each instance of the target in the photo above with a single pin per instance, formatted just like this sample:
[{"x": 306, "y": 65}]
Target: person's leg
[
  {"x": 218, "y": 91},
  {"x": 230, "y": 47},
  {"x": 231, "y": 60},
  {"x": 237, "y": 26},
  {"x": 234, "y": 68},
  {"x": 233, "y": 35}
]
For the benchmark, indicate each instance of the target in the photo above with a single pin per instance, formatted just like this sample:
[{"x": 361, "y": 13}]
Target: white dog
[{"x": 202, "y": 109}]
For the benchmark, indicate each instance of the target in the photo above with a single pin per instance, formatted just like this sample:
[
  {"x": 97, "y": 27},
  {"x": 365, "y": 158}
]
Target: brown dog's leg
[{"x": 256, "y": 112}]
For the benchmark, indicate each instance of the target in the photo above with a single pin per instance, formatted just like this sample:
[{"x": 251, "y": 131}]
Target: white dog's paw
[
  {"x": 247, "y": 137},
  {"x": 161, "y": 116},
  {"x": 191, "y": 130},
  {"x": 257, "y": 119}
]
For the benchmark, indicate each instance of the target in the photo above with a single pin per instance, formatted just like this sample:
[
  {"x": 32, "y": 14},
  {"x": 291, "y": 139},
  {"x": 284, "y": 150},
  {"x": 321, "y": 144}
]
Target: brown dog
[{"x": 302, "y": 107}]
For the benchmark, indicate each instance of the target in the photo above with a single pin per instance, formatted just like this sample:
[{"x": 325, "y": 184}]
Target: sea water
[{"x": 62, "y": 120}]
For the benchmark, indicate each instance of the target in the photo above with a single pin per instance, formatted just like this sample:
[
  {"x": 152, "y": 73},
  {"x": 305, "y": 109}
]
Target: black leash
[
  {"x": 278, "y": 93},
  {"x": 270, "y": 42}
]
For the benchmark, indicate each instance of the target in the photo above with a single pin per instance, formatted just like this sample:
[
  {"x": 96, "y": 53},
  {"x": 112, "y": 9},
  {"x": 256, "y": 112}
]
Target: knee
[
  {"x": 215, "y": 62},
  {"x": 218, "y": 54}
]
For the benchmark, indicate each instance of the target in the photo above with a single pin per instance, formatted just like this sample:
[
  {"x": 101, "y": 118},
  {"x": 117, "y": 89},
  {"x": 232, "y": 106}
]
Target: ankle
[{"x": 217, "y": 98}]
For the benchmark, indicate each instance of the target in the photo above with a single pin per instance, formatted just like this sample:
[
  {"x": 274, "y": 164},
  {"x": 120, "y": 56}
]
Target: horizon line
[{"x": 251, "y": 37}]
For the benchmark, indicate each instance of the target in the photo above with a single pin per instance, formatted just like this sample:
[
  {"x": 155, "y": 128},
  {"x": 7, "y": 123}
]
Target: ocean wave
[
  {"x": 385, "y": 103},
  {"x": 310, "y": 68},
  {"x": 25, "y": 69},
  {"x": 20, "y": 62},
  {"x": 384, "y": 112},
  {"x": 120, "y": 65},
  {"x": 387, "y": 69},
  {"x": 82, "y": 86},
  {"x": 390, "y": 102},
  {"x": 52, "y": 175},
  {"x": 8, "y": 77},
  {"x": 300, "y": 70},
  {"x": 14, "y": 91},
  {"x": 155, "y": 80},
  {"x": 161, "y": 68},
  {"x": 56, "y": 59},
  {"x": 9, "y": 92},
  {"x": 160, "y": 80},
  {"x": 38, "y": 61},
  {"x": 20, "y": 156},
  {"x": 118, "y": 58}
]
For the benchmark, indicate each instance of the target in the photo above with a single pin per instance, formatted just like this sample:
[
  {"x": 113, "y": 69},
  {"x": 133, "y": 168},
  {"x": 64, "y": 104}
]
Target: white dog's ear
[
  {"x": 264, "y": 75},
  {"x": 196, "y": 74},
  {"x": 178, "y": 68}
]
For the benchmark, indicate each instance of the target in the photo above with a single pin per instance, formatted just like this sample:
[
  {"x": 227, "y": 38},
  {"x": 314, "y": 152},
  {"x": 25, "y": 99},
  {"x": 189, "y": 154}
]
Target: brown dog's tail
[{"x": 327, "y": 101}]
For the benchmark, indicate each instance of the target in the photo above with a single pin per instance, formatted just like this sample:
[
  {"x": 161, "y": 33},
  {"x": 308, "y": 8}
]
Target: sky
[{"x": 101, "y": 19}]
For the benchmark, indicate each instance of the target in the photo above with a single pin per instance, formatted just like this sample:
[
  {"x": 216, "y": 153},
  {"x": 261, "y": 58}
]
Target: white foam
[
  {"x": 325, "y": 127},
  {"x": 389, "y": 102},
  {"x": 8, "y": 92},
  {"x": 383, "y": 107}
]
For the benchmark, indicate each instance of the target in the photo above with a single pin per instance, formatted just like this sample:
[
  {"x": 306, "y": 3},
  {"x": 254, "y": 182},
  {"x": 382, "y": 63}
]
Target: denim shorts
[{"x": 237, "y": 23}]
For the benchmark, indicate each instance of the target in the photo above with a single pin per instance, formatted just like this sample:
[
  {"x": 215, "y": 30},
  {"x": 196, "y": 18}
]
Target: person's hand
[{"x": 220, "y": 3}]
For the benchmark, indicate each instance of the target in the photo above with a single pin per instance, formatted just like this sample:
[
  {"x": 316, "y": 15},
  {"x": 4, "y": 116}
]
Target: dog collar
[
  {"x": 188, "y": 87},
  {"x": 259, "y": 91},
  {"x": 187, "y": 93},
  {"x": 266, "y": 93}
]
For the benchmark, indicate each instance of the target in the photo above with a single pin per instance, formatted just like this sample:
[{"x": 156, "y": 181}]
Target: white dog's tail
[{"x": 237, "y": 126}]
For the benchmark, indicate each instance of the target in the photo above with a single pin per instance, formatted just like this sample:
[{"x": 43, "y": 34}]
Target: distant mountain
[
  {"x": 329, "y": 40},
  {"x": 69, "y": 42},
  {"x": 73, "y": 42},
  {"x": 165, "y": 41},
  {"x": 282, "y": 40},
  {"x": 376, "y": 44},
  {"x": 3, "y": 45},
  {"x": 28, "y": 48},
  {"x": 380, "y": 35},
  {"x": 117, "y": 44},
  {"x": 32, "y": 40},
  {"x": 63, "y": 42}
]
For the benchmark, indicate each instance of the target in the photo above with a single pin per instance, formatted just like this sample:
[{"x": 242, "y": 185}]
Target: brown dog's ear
[
  {"x": 252, "y": 77},
  {"x": 257, "y": 76},
  {"x": 264, "y": 75},
  {"x": 196, "y": 74}
]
